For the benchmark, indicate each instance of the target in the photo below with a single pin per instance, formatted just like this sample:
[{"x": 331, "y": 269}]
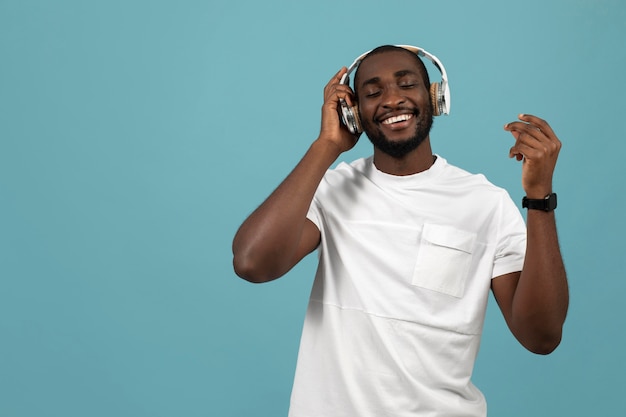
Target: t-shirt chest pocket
[{"x": 443, "y": 259}]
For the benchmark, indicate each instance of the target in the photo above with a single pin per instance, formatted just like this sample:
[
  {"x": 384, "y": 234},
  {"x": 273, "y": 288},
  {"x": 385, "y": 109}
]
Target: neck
[{"x": 418, "y": 160}]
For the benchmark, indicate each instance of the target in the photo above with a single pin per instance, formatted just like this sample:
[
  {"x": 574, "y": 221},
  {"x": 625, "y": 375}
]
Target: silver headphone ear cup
[
  {"x": 443, "y": 103},
  {"x": 350, "y": 117},
  {"x": 357, "y": 119}
]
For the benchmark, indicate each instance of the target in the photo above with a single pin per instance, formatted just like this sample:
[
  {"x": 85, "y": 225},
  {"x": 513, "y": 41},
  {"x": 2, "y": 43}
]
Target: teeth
[{"x": 396, "y": 119}]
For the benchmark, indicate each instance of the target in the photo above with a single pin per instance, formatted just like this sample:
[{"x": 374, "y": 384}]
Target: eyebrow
[{"x": 397, "y": 74}]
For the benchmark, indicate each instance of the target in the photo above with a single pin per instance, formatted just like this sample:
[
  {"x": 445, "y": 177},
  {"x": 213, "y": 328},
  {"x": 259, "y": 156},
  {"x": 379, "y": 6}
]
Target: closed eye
[{"x": 374, "y": 93}]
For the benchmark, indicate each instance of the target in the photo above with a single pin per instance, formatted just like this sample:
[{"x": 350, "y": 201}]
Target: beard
[{"x": 399, "y": 149}]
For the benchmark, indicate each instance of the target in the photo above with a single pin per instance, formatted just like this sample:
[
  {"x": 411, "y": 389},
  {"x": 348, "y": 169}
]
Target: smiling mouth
[{"x": 397, "y": 119}]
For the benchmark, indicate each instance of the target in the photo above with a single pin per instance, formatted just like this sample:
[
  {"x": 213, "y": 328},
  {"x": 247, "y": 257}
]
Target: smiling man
[
  {"x": 409, "y": 248},
  {"x": 387, "y": 127}
]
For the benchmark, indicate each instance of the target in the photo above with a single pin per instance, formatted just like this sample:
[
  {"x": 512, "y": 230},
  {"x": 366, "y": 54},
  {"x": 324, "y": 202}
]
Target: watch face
[{"x": 551, "y": 202}]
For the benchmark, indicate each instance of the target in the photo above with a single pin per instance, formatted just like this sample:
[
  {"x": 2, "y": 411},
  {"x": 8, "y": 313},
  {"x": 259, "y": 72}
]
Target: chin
[{"x": 397, "y": 149}]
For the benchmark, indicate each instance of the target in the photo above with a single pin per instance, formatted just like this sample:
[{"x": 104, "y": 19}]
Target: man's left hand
[{"x": 537, "y": 146}]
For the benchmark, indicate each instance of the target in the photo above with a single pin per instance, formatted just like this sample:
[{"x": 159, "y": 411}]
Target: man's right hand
[{"x": 333, "y": 129}]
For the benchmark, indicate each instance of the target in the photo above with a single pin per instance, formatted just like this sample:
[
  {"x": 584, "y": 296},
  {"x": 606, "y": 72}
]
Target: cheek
[{"x": 366, "y": 112}]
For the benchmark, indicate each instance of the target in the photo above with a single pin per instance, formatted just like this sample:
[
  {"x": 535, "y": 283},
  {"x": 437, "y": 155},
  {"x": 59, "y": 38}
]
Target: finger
[
  {"x": 533, "y": 126},
  {"x": 337, "y": 77},
  {"x": 526, "y": 141},
  {"x": 525, "y": 149},
  {"x": 536, "y": 138},
  {"x": 538, "y": 123},
  {"x": 334, "y": 80},
  {"x": 337, "y": 92},
  {"x": 516, "y": 150},
  {"x": 531, "y": 132},
  {"x": 515, "y": 153},
  {"x": 531, "y": 150}
]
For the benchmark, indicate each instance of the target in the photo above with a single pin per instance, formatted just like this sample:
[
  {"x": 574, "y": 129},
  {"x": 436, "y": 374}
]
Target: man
[{"x": 409, "y": 247}]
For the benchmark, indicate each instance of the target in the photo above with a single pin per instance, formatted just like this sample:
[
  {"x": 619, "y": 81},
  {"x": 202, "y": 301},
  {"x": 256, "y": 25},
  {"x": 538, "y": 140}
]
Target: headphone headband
[
  {"x": 444, "y": 89},
  {"x": 439, "y": 92}
]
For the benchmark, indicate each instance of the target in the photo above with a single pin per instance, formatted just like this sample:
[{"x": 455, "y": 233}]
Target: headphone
[{"x": 439, "y": 92}]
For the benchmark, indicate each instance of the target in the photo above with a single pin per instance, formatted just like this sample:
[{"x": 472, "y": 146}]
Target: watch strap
[{"x": 546, "y": 204}]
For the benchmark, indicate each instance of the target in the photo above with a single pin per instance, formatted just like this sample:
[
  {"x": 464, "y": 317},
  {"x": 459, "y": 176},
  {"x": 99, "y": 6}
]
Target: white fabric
[{"x": 397, "y": 307}]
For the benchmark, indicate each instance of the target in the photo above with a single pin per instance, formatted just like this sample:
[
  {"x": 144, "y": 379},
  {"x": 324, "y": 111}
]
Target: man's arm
[
  {"x": 277, "y": 235},
  {"x": 534, "y": 302}
]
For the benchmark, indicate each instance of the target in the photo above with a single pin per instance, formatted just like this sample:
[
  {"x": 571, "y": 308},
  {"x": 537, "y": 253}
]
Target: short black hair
[{"x": 390, "y": 48}]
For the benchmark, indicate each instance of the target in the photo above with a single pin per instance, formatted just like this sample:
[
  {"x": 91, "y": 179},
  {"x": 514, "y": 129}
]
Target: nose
[{"x": 392, "y": 97}]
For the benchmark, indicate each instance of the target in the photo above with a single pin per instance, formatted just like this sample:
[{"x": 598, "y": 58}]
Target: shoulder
[
  {"x": 344, "y": 173},
  {"x": 456, "y": 176}
]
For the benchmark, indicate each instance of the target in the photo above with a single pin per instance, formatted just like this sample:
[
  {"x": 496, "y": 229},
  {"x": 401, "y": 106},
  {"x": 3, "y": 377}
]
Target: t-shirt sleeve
[
  {"x": 326, "y": 194},
  {"x": 511, "y": 241},
  {"x": 314, "y": 213}
]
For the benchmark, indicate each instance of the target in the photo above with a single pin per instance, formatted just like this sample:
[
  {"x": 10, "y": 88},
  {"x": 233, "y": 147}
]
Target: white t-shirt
[{"x": 396, "y": 311}]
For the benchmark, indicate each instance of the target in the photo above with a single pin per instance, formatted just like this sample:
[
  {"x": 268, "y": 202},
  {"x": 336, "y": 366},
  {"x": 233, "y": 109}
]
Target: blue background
[{"x": 135, "y": 137}]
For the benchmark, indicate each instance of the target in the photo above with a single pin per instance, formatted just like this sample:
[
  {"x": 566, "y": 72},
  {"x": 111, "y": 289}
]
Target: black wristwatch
[{"x": 546, "y": 204}]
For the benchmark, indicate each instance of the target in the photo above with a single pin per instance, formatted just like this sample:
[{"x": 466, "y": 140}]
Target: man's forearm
[{"x": 541, "y": 298}]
